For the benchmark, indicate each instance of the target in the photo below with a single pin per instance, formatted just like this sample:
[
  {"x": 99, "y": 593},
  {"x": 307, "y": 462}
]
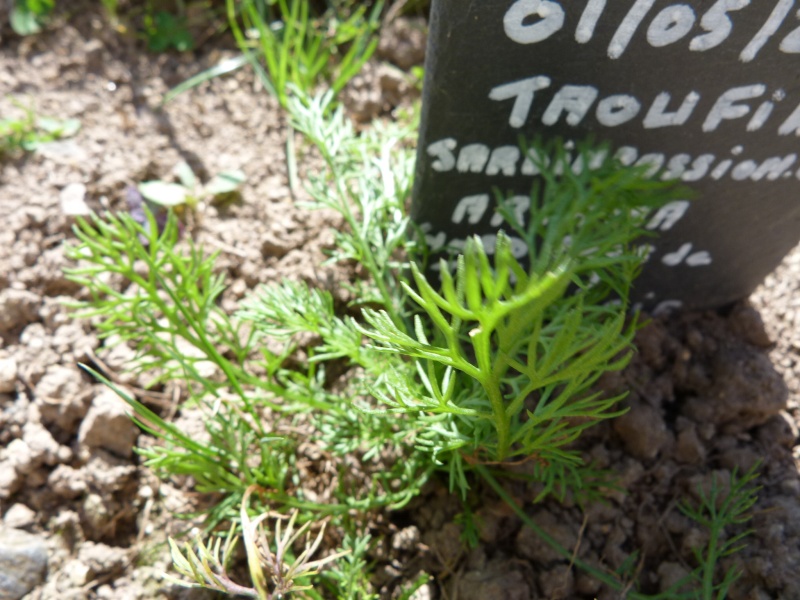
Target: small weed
[
  {"x": 292, "y": 46},
  {"x": 29, "y": 132},
  {"x": 288, "y": 45},
  {"x": 189, "y": 191},
  {"x": 29, "y": 16},
  {"x": 718, "y": 510},
  {"x": 348, "y": 578},
  {"x": 164, "y": 30}
]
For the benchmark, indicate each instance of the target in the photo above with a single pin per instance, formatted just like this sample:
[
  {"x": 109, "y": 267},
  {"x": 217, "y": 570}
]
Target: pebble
[
  {"x": 67, "y": 482},
  {"x": 423, "y": 593},
  {"x": 107, "y": 425},
  {"x": 643, "y": 431},
  {"x": 558, "y": 583},
  {"x": 72, "y": 200},
  {"x": 16, "y": 461},
  {"x": 403, "y": 42},
  {"x": 690, "y": 449},
  {"x": 101, "y": 559},
  {"x": 64, "y": 152},
  {"x": 780, "y": 430},
  {"x": 671, "y": 573},
  {"x": 493, "y": 583},
  {"x": 17, "y": 308},
  {"x": 8, "y": 375},
  {"x": 23, "y": 562},
  {"x": 60, "y": 397},
  {"x": 43, "y": 448},
  {"x": 529, "y": 545},
  {"x": 19, "y": 516},
  {"x": 406, "y": 539}
]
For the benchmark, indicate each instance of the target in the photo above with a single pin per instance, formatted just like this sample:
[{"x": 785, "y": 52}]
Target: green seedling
[
  {"x": 164, "y": 30},
  {"x": 719, "y": 510},
  {"x": 225, "y": 66},
  {"x": 506, "y": 356},
  {"x": 288, "y": 45},
  {"x": 111, "y": 7},
  {"x": 29, "y": 132},
  {"x": 29, "y": 16},
  {"x": 169, "y": 312},
  {"x": 188, "y": 191},
  {"x": 490, "y": 366}
]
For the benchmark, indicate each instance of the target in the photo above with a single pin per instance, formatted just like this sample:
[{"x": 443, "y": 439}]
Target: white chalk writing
[
  {"x": 574, "y": 104},
  {"x": 535, "y": 21},
  {"x": 685, "y": 254},
  {"x": 474, "y": 158}
]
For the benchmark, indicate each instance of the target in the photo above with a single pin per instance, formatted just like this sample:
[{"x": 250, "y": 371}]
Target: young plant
[
  {"x": 164, "y": 30},
  {"x": 28, "y": 16},
  {"x": 367, "y": 180},
  {"x": 506, "y": 354},
  {"x": 301, "y": 49},
  {"x": 253, "y": 404},
  {"x": 494, "y": 365},
  {"x": 274, "y": 573},
  {"x": 29, "y": 132},
  {"x": 718, "y": 510},
  {"x": 168, "y": 309},
  {"x": 189, "y": 191}
]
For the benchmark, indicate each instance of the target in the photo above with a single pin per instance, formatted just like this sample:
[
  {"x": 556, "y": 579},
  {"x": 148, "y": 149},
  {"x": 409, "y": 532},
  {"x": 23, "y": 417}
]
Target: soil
[{"x": 710, "y": 392}]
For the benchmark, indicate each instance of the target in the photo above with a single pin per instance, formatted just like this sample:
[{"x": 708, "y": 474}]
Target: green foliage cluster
[
  {"x": 507, "y": 366},
  {"x": 164, "y": 30},
  {"x": 288, "y": 45},
  {"x": 489, "y": 364},
  {"x": 29, "y": 16},
  {"x": 170, "y": 313},
  {"x": 717, "y": 510},
  {"x": 188, "y": 190},
  {"x": 28, "y": 132},
  {"x": 493, "y": 365}
]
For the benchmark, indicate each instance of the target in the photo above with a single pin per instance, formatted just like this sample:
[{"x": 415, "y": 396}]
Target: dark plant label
[{"x": 704, "y": 92}]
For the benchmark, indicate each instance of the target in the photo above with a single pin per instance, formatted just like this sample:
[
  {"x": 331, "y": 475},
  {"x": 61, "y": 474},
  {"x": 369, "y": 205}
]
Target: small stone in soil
[
  {"x": 17, "y": 308},
  {"x": 643, "y": 431},
  {"x": 108, "y": 426},
  {"x": 690, "y": 449},
  {"x": 19, "y": 516},
  {"x": 8, "y": 374},
  {"x": 23, "y": 562},
  {"x": 72, "y": 200}
]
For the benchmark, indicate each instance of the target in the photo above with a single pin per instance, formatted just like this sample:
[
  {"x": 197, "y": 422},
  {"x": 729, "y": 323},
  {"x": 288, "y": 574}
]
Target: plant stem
[
  {"x": 601, "y": 576},
  {"x": 481, "y": 342},
  {"x": 711, "y": 559},
  {"x": 378, "y": 275}
]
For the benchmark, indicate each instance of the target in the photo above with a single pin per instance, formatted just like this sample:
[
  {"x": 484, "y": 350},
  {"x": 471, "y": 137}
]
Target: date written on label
[{"x": 533, "y": 21}]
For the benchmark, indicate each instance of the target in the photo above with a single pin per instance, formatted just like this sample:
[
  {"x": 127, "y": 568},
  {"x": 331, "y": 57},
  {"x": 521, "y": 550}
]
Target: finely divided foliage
[
  {"x": 489, "y": 363},
  {"x": 492, "y": 364},
  {"x": 506, "y": 354}
]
